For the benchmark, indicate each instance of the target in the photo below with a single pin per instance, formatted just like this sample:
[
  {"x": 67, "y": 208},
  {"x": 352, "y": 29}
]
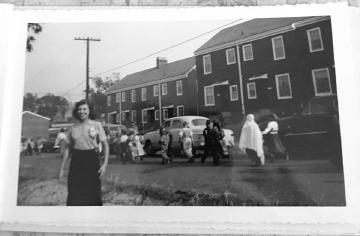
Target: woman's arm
[
  {"x": 65, "y": 157},
  {"x": 267, "y": 130},
  {"x": 102, "y": 169}
]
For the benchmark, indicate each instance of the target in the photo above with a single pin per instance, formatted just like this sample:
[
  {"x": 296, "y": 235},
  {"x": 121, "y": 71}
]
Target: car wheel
[{"x": 148, "y": 148}]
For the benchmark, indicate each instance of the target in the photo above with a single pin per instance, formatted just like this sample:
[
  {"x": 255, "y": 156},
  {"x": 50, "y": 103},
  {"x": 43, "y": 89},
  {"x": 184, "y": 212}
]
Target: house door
[
  {"x": 171, "y": 112},
  {"x": 222, "y": 98},
  {"x": 151, "y": 119},
  {"x": 263, "y": 93}
]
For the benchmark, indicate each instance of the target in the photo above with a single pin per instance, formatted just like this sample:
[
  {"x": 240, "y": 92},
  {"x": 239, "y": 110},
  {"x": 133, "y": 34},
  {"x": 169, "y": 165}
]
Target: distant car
[
  {"x": 49, "y": 144},
  {"x": 174, "y": 125}
]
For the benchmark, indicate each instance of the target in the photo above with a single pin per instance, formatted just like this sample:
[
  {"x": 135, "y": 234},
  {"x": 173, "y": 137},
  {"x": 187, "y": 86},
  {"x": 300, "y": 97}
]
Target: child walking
[{"x": 164, "y": 141}]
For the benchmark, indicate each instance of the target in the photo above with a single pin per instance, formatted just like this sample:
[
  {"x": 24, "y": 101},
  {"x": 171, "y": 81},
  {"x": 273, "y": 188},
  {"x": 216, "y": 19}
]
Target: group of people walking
[
  {"x": 214, "y": 143},
  {"x": 30, "y": 146},
  {"x": 128, "y": 146}
]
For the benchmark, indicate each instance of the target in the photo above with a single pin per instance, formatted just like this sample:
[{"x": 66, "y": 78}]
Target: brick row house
[
  {"x": 150, "y": 96},
  {"x": 274, "y": 63}
]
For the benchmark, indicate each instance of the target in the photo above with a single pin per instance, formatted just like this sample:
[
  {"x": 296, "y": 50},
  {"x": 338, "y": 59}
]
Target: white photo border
[{"x": 141, "y": 219}]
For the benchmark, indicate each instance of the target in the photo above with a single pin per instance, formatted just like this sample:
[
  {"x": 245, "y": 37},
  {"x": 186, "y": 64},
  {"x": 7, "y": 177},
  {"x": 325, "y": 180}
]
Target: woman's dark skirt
[
  {"x": 84, "y": 186},
  {"x": 274, "y": 144}
]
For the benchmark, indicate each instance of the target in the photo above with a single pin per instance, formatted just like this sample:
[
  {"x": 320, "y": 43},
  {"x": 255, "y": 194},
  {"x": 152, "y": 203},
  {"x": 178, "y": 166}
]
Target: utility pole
[{"x": 87, "y": 39}]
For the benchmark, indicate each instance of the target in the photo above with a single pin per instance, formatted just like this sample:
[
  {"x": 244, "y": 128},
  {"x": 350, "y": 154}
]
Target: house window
[
  {"x": 157, "y": 114},
  {"x": 164, "y": 90},
  {"x": 278, "y": 48},
  {"x": 248, "y": 52},
  {"x": 180, "y": 110},
  {"x": 209, "y": 96},
  {"x": 133, "y": 95},
  {"x": 315, "y": 40},
  {"x": 133, "y": 116},
  {"x": 123, "y": 96},
  {"x": 230, "y": 56},
  {"x": 321, "y": 80},
  {"x": 143, "y": 94},
  {"x": 144, "y": 116},
  {"x": 118, "y": 116},
  {"x": 109, "y": 100},
  {"x": 109, "y": 118},
  {"x": 117, "y": 98},
  {"x": 283, "y": 86},
  {"x": 207, "y": 64},
  {"x": 165, "y": 114},
  {"x": 251, "y": 90},
  {"x": 156, "y": 90},
  {"x": 234, "y": 95},
  {"x": 179, "y": 87}
]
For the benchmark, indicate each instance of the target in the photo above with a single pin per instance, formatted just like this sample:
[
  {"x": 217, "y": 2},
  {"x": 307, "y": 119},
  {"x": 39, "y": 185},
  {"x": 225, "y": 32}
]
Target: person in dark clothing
[
  {"x": 215, "y": 137},
  {"x": 169, "y": 149},
  {"x": 164, "y": 141},
  {"x": 207, "y": 138}
]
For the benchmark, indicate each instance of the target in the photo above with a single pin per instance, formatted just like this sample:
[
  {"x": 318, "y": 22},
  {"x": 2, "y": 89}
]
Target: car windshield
[
  {"x": 320, "y": 106},
  {"x": 177, "y": 124},
  {"x": 199, "y": 122}
]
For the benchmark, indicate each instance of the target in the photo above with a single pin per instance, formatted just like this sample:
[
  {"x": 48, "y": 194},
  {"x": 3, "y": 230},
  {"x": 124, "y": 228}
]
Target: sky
[{"x": 57, "y": 63}]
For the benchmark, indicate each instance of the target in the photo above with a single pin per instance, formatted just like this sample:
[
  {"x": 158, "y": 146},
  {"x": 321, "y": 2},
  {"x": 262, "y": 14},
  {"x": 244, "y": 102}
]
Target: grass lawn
[{"x": 233, "y": 183}]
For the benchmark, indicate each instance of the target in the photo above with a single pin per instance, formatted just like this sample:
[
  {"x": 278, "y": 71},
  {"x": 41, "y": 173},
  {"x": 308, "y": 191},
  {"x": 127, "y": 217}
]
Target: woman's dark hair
[
  {"x": 208, "y": 122},
  {"x": 62, "y": 130},
  {"x": 216, "y": 124},
  {"x": 124, "y": 131},
  {"x": 80, "y": 103},
  {"x": 272, "y": 117}
]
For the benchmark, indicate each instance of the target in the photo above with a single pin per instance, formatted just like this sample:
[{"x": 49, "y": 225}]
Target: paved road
[{"x": 312, "y": 182}]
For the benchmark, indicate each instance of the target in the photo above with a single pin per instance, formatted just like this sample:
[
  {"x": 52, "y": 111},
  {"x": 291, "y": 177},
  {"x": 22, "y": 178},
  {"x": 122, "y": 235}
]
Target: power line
[
  {"x": 154, "y": 53},
  {"x": 165, "y": 49}
]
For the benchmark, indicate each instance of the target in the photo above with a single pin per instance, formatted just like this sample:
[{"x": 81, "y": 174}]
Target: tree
[
  {"x": 34, "y": 28},
  {"x": 97, "y": 94},
  {"x": 50, "y": 105},
  {"x": 29, "y": 103}
]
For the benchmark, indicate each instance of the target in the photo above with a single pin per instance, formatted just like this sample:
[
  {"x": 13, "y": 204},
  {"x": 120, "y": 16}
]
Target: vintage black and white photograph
[{"x": 240, "y": 112}]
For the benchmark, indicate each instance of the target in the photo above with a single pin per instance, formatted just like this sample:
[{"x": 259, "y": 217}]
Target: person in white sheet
[
  {"x": 251, "y": 141},
  {"x": 186, "y": 137}
]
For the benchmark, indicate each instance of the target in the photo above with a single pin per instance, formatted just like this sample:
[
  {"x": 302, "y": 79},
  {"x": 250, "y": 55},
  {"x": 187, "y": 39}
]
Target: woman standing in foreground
[
  {"x": 82, "y": 144},
  {"x": 251, "y": 141}
]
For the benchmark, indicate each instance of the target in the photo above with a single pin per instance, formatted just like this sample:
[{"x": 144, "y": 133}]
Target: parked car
[
  {"x": 49, "y": 144},
  {"x": 319, "y": 116},
  {"x": 314, "y": 128},
  {"x": 174, "y": 125}
]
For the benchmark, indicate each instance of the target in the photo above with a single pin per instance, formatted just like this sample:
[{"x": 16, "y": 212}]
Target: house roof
[
  {"x": 247, "y": 29},
  {"x": 169, "y": 70},
  {"x": 34, "y": 114}
]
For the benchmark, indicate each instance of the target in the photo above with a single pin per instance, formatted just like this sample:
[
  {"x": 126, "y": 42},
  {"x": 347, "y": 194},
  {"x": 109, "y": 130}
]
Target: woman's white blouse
[{"x": 86, "y": 135}]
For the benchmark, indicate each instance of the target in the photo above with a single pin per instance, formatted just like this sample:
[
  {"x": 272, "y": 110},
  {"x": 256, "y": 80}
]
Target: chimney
[{"x": 160, "y": 61}]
